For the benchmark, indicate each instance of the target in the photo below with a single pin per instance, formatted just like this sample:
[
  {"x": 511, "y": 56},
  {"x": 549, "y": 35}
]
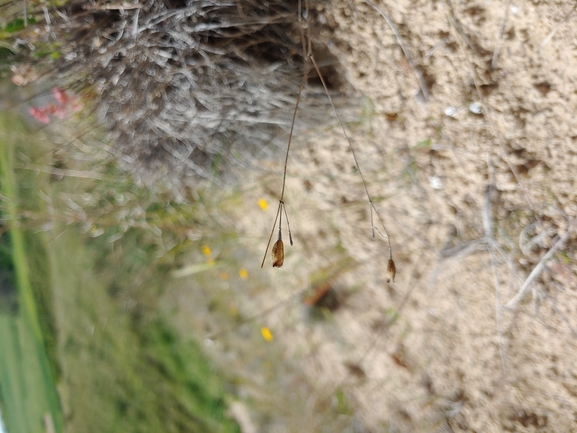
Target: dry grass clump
[{"x": 187, "y": 88}]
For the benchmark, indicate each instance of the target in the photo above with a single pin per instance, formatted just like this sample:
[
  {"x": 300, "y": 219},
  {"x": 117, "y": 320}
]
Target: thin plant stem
[
  {"x": 291, "y": 133},
  {"x": 307, "y": 49},
  {"x": 271, "y": 233},
  {"x": 417, "y": 73},
  {"x": 306, "y": 53},
  {"x": 538, "y": 269},
  {"x": 281, "y": 200},
  {"x": 280, "y": 222},
  {"x": 372, "y": 222},
  {"x": 287, "y": 223},
  {"x": 371, "y": 204}
]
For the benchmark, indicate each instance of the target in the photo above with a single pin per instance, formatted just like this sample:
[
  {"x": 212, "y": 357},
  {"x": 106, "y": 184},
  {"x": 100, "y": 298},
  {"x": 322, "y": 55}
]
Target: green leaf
[
  {"x": 17, "y": 24},
  {"x": 14, "y": 25}
]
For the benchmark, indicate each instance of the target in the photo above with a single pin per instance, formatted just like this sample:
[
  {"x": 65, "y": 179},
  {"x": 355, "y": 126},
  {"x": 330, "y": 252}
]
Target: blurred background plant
[{"x": 137, "y": 116}]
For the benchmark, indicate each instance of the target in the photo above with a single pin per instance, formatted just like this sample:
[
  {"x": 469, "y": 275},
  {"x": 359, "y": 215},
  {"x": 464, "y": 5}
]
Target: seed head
[
  {"x": 278, "y": 254},
  {"x": 391, "y": 271}
]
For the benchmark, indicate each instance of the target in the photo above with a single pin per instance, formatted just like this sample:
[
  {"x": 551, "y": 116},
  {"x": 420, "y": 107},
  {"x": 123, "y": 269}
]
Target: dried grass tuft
[{"x": 187, "y": 89}]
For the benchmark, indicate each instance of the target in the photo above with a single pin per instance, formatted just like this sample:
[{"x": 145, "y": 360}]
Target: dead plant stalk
[
  {"x": 278, "y": 248},
  {"x": 391, "y": 271}
]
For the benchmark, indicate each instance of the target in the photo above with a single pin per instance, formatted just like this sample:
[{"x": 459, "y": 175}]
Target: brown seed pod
[
  {"x": 391, "y": 271},
  {"x": 278, "y": 254}
]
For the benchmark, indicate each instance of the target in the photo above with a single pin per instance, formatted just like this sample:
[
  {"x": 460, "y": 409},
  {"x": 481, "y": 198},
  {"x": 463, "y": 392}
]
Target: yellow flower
[
  {"x": 266, "y": 334},
  {"x": 210, "y": 261},
  {"x": 224, "y": 276},
  {"x": 243, "y": 273},
  {"x": 263, "y": 204},
  {"x": 205, "y": 250}
]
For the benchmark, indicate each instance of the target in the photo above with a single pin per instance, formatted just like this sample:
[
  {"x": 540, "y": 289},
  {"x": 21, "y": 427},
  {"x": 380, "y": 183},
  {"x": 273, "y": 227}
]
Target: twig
[
  {"x": 417, "y": 73},
  {"x": 500, "y": 35},
  {"x": 371, "y": 205},
  {"x": 537, "y": 270}
]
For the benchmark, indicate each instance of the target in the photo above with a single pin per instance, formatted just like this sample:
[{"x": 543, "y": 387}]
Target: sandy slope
[{"x": 456, "y": 358}]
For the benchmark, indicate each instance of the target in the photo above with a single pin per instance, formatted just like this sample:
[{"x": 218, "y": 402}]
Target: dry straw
[{"x": 187, "y": 89}]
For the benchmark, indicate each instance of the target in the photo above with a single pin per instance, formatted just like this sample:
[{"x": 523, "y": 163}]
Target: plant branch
[
  {"x": 537, "y": 270},
  {"x": 371, "y": 205}
]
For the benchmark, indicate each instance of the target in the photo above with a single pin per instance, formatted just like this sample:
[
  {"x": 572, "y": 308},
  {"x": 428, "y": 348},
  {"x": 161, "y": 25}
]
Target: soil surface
[{"x": 464, "y": 129}]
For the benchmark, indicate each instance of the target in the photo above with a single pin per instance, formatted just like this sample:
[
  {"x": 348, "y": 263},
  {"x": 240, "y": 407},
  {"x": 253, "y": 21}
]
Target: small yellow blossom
[
  {"x": 224, "y": 276},
  {"x": 266, "y": 334},
  {"x": 210, "y": 261},
  {"x": 263, "y": 204},
  {"x": 243, "y": 273},
  {"x": 206, "y": 250}
]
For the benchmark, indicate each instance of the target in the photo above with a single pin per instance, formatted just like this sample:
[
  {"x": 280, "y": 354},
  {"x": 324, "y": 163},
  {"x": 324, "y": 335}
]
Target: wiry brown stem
[
  {"x": 306, "y": 41},
  {"x": 271, "y": 233},
  {"x": 292, "y": 130},
  {"x": 287, "y": 223},
  {"x": 371, "y": 204}
]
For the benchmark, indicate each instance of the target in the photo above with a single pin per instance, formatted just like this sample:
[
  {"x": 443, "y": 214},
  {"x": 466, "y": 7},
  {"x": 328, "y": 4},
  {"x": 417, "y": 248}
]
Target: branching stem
[
  {"x": 371, "y": 204},
  {"x": 307, "y": 49}
]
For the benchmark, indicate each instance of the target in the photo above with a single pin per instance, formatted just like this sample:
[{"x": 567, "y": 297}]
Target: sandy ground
[
  {"x": 469, "y": 155},
  {"x": 462, "y": 118}
]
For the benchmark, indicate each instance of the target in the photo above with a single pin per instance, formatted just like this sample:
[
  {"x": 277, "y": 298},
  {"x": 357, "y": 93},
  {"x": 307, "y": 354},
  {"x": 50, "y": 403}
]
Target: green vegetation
[
  {"x": 124, "y": 368},
  {"x": 87, "y": 311},
  {"x": 27, "y": 389}
]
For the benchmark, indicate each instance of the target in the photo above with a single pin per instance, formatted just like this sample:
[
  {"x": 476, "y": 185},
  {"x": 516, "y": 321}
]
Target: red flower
[
  {"x": 60, "y": 95},
  {"x": 66, "y": 104},
  {"x": 40, "y": 114}
]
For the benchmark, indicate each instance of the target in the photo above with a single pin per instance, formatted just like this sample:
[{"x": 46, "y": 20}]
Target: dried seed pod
[
  {"x": 391, "y": 271},
  {"x": 278, "y": 254}
]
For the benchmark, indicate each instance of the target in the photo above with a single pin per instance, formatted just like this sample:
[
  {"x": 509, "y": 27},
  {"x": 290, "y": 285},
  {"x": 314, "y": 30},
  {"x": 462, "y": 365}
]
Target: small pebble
[
  {"x": 475, "y": 107},
  {"x": 450, "y": 111},
  {"x": 436, "y": 182}
]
